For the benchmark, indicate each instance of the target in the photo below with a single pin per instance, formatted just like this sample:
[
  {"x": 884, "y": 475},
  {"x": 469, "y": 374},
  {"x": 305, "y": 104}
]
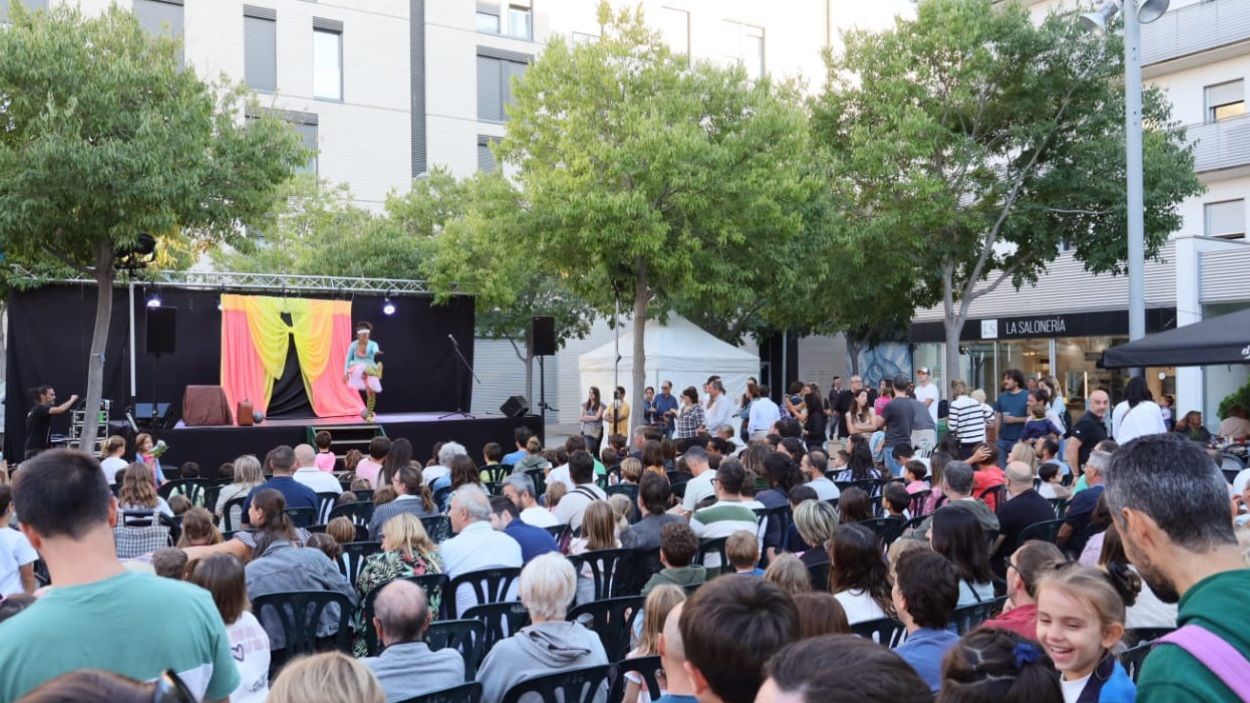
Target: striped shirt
[
  {"x": 722, "y": 519},
  {"x": 968, "y": 419}
]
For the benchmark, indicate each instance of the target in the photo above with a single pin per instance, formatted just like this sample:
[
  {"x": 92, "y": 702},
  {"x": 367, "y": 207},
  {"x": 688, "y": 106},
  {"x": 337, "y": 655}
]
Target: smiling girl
[{"x": 1080, "y": 617}]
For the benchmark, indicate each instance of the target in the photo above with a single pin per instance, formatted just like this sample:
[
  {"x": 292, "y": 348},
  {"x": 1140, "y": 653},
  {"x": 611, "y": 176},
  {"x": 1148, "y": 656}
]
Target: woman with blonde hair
[
  {"x": 533, "y": 458},
  {"x": 407, "y": 550},
  {"x": 329, "y": 677},
  {"x": 814, "y": 520},
  {"x": 598, "y": 532},
  {"x": 138, "y": 494},
  {"x": 660, "y": 602},
  {"x": 111, "y": 460},
  {"x": 1023, "y": 452},
  {"x": 789, "y": 574},
  {"x": 631, "y": 470},
  {"x": 247, "y": 475},
  {"x": 199, "y": 529}
]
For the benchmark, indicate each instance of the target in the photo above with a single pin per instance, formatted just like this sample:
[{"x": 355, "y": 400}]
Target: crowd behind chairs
[{"x": 705, "y": 568}]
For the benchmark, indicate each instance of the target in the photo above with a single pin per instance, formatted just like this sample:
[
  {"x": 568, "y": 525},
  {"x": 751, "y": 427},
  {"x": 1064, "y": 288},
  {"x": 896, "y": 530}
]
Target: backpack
[{"x": 1218, "y": 656}]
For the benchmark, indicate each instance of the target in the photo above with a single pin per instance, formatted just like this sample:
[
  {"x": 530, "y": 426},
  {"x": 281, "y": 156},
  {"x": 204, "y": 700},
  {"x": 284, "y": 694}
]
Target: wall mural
[{"x": 886, "y": 360}]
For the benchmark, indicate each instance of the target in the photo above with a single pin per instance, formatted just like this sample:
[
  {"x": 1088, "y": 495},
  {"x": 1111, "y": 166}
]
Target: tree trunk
[
  {"x": 852, "y": 353},
  {"x": 642, "y": 296},
  {"x": 953, "y": 323},
  {"x": 99, "y": 335},
  {"x": 528, "y": 359}
]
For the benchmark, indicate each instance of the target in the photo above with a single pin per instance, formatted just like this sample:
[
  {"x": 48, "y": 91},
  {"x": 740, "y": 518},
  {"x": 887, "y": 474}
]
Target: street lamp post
[{"x": 1134, "y": 17}]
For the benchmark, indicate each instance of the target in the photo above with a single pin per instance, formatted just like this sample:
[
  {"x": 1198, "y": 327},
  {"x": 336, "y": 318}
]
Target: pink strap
[{"x": 1220, "y": 657}]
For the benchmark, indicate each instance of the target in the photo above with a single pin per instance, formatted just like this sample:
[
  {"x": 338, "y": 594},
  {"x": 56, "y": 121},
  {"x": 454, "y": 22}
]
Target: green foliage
[{"x": 1241, "y": 397}]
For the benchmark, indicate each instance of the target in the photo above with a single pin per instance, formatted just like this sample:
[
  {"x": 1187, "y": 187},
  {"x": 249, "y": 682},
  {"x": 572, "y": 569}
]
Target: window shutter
[{"x": 260, "y": 48}]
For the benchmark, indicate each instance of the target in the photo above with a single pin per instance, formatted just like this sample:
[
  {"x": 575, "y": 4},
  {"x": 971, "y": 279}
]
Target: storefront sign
[
  {"x": 1079, "y": 324},
  {"x": 1034, "y": 327}
]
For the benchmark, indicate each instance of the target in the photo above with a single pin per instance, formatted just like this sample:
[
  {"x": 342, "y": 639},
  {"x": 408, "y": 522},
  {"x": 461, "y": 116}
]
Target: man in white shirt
[
  {"x": 309, "y": 475},
  {"x": 729, "y": 434},
  {"x": 927, "y": 392},
  {"x": 764, "y": 412},
  {"x": 519, "y": 488},
  {"x": 720, "y": 409},
  {"x": 476, "y": 545},
  {"x": 699, "y": 487},
  {"x": 814, "y": 464},
  {"x": 574, "y": 503}
]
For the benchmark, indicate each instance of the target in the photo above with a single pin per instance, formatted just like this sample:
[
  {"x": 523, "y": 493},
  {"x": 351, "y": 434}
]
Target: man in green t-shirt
[
  {"x": 1171, "y": 508},
  {"x": 98, "y": 615}
]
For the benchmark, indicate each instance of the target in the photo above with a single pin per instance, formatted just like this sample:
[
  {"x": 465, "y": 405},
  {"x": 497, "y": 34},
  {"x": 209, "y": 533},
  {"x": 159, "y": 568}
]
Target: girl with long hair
[
  {"x": 199, "y": 528},
  {"x": 399, "y": 455},
  {"x": 111, "y": 460},
  {"x": 859, "y": 467},
  {"x": 267, "y": 514},
  {"x": 137, "y": 492},
  {"x": 957, "y": 535},
  {"x": 862, "y": 417},
  {"x": 994, "y": 665},
  {"x": 660, "y": 602},
  {"x": 854, "y": 506},
  {"x": 592, "y": 420},
  {"x": 598, "y": 532},
  {"x": 858, "y": 575},
  {"x": 223, "y": 577},
  {"x": 148, "y": 453}
]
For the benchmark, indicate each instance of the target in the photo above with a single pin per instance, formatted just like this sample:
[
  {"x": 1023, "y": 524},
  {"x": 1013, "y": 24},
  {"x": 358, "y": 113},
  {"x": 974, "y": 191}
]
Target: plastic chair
[
  {"x": 819, "y": 575},
  {"x": 572, "y": 686},
  {"x": 496, "y": 473},
  {"x": 781, "y": 513},
  {"x": 1060, "y": 505},
  {"x": 364, "y": 495},
  {"x": 887, "y": 529},
  {"x": 488, "y": 586},
  {"x": 464, "y": 693},
  {"x": 359, "y": 513},
  {"x": 871, "y": 486},
  {"x": 464, "y": 636},
  {"x": 715, "y": 545},
  {"x": 1046, "y": 531},
  {"x": 353, "y": 558},
  {"x": 502, "y": 620},
  {"x": 302, "y": 517},
  {"x": 625, "y": 489},
  {"x": 438, "y": 527},
  {"x": 427, "y": 582},
  {"x": 613, "y": 620},
  {"x": 192, "y": 488},
  {"x": 540, "y": 481},
  {"x": 325, "y": 503},
  {"x": 646, "y": 666},
  {"x": 227, "y": 510},
  {"x": 918, "y": 501},
  {"x": 993, "y": 496},
  {"x": 441, "y": 498},
  {"x": 970, "y": 617},
  {"x": 605, "y": 565},
  {"x": 886, "y": 632},
  {"x": 298, "y": 612},
  {"x": 1132, "y": 659},
  {"x": 558, "y": 532}
]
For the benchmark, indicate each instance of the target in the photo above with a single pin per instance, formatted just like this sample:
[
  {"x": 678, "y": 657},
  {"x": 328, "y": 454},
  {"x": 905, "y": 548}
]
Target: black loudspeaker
[
  {"x": 162, "y": 325},
  {"x": 515, "y": 406},
  {"x": 543, "y": 336}
]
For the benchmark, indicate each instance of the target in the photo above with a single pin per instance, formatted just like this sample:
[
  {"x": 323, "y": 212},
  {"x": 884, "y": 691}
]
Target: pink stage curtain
[{"x": 255, "y": 339}]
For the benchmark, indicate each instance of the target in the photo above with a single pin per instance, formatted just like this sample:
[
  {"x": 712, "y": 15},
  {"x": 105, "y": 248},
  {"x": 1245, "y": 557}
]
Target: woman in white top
[
  {"x": 111, "y": 460},
  {"x": 1137, "y": 415},
  {"x": 222, "y": 575},
  {"x": 861, "y": 418},
  {"x": 858, "y": 574},
  {"x": 247, "y": 475}
]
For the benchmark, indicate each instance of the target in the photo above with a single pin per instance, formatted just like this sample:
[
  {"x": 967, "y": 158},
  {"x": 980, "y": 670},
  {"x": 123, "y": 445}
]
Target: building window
[
  {"x": 327, "y": 62},
  {"x": 520, "y": 22},
  {"x": 304, "y": 124},
  {"x": 744, "y": 44},
  {"x": 495, "y": 71},
  {"x": 488, "y": 22},
  {"x": 1226, "y": 219},
  {"x": 308, "y": 131},
  {"x": 485, "y": 159},
  {"x": 1225, "y": 100},
  {"x": 675, "y": 29},
  {"x": 260, "y": 48},
  {"x": 160, "y": 18}
]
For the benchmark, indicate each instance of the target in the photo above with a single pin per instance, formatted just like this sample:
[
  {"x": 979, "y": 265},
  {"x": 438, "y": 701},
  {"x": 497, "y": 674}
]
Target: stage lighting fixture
[
  {"x": 388, "y": 308},
  {"x": 154, "y": 301}
]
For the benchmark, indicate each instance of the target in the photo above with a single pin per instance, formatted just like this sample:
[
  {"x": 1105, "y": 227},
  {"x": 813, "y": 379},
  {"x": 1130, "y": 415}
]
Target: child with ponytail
[
  {"x": 992, "y": 665},
  {"x": 1080, "y": 618}
]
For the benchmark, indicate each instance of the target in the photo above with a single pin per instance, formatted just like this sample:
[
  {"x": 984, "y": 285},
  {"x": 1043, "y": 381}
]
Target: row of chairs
[
  {"x": 582, "y": 685},
  {"x": 889, "y": 632}
]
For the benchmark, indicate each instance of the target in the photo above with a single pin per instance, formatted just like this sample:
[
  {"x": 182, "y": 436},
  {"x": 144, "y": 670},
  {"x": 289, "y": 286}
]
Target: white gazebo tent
[{"x": 679, "y": 352}]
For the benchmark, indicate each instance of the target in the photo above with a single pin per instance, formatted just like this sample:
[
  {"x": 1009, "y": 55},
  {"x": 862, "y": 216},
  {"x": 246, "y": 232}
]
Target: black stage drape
[{"x": 49, "y": 338}]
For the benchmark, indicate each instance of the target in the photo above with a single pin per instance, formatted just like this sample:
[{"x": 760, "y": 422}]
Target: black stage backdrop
[{"x": 49, "y": 337}]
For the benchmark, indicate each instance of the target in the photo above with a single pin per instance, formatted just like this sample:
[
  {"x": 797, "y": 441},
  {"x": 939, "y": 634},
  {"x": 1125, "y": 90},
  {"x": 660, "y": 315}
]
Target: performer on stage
[
  {"x": 363, "y": 370},
  {"x": 39, "y": 419}
]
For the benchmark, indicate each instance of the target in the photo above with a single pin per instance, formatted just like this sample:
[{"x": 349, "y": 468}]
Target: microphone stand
[{"x": 460, "y": 411}]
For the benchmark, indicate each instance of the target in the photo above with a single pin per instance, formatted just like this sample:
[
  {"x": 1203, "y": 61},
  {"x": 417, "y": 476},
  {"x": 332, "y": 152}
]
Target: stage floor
[{"x": 212, "y": 446}]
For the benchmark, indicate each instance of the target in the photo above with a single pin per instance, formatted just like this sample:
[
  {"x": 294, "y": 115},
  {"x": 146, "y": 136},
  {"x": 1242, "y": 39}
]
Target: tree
[
  {"x": 106, "y": 136},
  {"x": 647, "y": 178},
  {"x": 974, "y": 144}
]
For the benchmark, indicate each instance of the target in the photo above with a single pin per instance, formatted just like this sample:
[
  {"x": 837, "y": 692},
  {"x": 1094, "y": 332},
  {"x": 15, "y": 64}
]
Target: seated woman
[
  {"x": 412, "y": 496},
  {"x": 280, "y": 564},
  {"x": 247, "y": 475},
  {"x": 957, "y": 535},
  {"x": 406, "y": 551},
  {"x": 198, "y": 529},
  {"x": 550, "y": 644},
  {"x": 858, "y": 575},
  {"x": 223, "y": 577},
  {"x": 138, "y": 494},
  {"x": 533, "y": 458}
]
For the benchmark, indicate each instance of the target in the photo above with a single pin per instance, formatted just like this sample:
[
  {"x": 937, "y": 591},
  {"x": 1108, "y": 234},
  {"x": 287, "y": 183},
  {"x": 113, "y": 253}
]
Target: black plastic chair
[
  {"x": 298, "y": 613},
  {"x": 646, "y": 666},
  {"x": 679, "y": 489},
  {"x": 488, "y": 586},
  {"x": 302, "y": 517},
  {"x": 914, "y": 523},
  {"x": 192, "y": 488},
  {"x": 715, "y": 545},
  {"x": 353, "y": 558},
  {"x": 428, "y": 582},
  {"x": 364, "y": 495},
  {"x": 887, "y": 529},
  {"x": 625, "y": 489},
  {"x": 1132, "y": 659},
  {"x": 464, "y": 693},
  {"x": 613, "y": 620},
  {"x": 819, "y": 575},
  {"x": 782, "y": 513},
  {"x": 441, "y": 498},
  {"x": 359, "y": 513},
  {"x": 886, "y": 632},
  {"x": 1060, "y": 505},
  {"x": 994, "y": 496},
  {"x": 918, "y": 501},
  {"x": 605, "y": 565},
  {"x": 970, "y": 617},
  {"x": 464, "y": 636},
  {"x": 325, "y": 503},
  {"x": 496, "y": 473},
  {"x": 558, "y": 532},
  {"x": 1046, "y": 531},
  {"x": 502, "y": 620},
  {"x": 540, "y": 481},
  {"x": 572, "y": 686},
  {"x": 871, "y": 486},
  {"x": 438, "y": 527},
  {"x": 226, "y": 510}
]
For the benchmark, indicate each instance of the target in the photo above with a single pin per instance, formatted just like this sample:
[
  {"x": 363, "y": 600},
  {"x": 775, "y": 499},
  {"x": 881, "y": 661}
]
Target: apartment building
[{"x": 1198, "y": 54}]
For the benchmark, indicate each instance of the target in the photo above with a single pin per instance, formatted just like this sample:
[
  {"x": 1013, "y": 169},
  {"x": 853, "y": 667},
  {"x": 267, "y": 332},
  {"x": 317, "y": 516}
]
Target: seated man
[
  {"x": 678, "y": 687},
  {"x": 281, "y": 463},
  {"x": 654, "y": 494},
  {"x": 678, "y": 546},
  {"x": 926, "y": 591},
  {"x": 89, "y": 619},
  {"x": 1030, "y": 562},
  {"x": 862, "y": 671},
  {"x": 957, "y": 487},
  {"x": 1026, "y": 507},
  {"x": 407, "y": 667},
  {"x": 814, "y": 465},
  {"x": 507, "y": 519},
  {"x": 476, "y": 545},
  {"x": 519, "y": 488},
  {"x": 573, "y": 505},
  {"x": 729, "y": 514},
  {"x": 1075, "y": 530}
]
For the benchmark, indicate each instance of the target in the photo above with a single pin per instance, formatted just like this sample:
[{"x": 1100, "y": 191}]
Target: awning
[{"x": 1218, "y": 340}]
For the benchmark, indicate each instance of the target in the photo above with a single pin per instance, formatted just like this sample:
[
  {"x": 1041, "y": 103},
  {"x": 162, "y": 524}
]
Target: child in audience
[
  {"x": 840, "y": 459},
  {"x": 896, "y": 500},
  {"x": 346, "y": 498},
  {"x": 384, "y": 495},
  {"x": 993, "y": 665},
  {"x": 678, "y": 546},
  {"x": 1052, "y": 482},
  {"x": 598, "y": 532},
  {"x": 820, "y": 613},
  {"x": 1080, "y": 618},
  {"x": 342, "y": 530},
  {"x": 17, "y": 556},
  {"x": 325, "y": 458},
  {"x": 621, "y": 507},
  {"x": 743, "y": 551},
  {"x": 854, "y": 506},
  {"x": 361, "y": 484},
  {"x": 788, "y": 573},
  {"x": 1039, "y": 425},
  {"x": 655, "y": 612},
  {"x": 179, "y": 504},
  {"x": 555, "y": 491},
  {"x": 222, "y": 576},
  {"x": 915, "y": 471},
  {"x": 631, "y": 470},
  {"x": 326, "y": 544},
  {"x": 199, "y": 529},
  {"x": 352, "y": 459},
  {"x": 170, "y": 563},
  {"x": 492, "y": 454}
]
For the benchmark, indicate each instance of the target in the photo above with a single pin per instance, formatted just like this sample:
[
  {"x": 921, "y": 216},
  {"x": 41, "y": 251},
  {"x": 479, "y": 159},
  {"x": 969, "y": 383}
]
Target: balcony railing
[
  {"x": 1221, "y": 145},
  {"x": 1194, "y": 29}
]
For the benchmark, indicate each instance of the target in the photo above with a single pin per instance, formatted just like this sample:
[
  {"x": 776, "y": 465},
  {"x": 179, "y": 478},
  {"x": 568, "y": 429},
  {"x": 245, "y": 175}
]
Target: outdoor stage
[{"x": 212, "y": 446}]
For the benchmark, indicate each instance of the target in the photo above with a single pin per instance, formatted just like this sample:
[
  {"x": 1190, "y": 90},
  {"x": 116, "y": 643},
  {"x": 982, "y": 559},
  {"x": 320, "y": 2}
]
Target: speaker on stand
[{"x": 543, "y": 344}]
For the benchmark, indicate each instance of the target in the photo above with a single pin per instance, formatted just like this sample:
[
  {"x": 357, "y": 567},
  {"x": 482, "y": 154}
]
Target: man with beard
[
  {"x": 841, "y": 403},
  {"x": 1170, "y": 506}
]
